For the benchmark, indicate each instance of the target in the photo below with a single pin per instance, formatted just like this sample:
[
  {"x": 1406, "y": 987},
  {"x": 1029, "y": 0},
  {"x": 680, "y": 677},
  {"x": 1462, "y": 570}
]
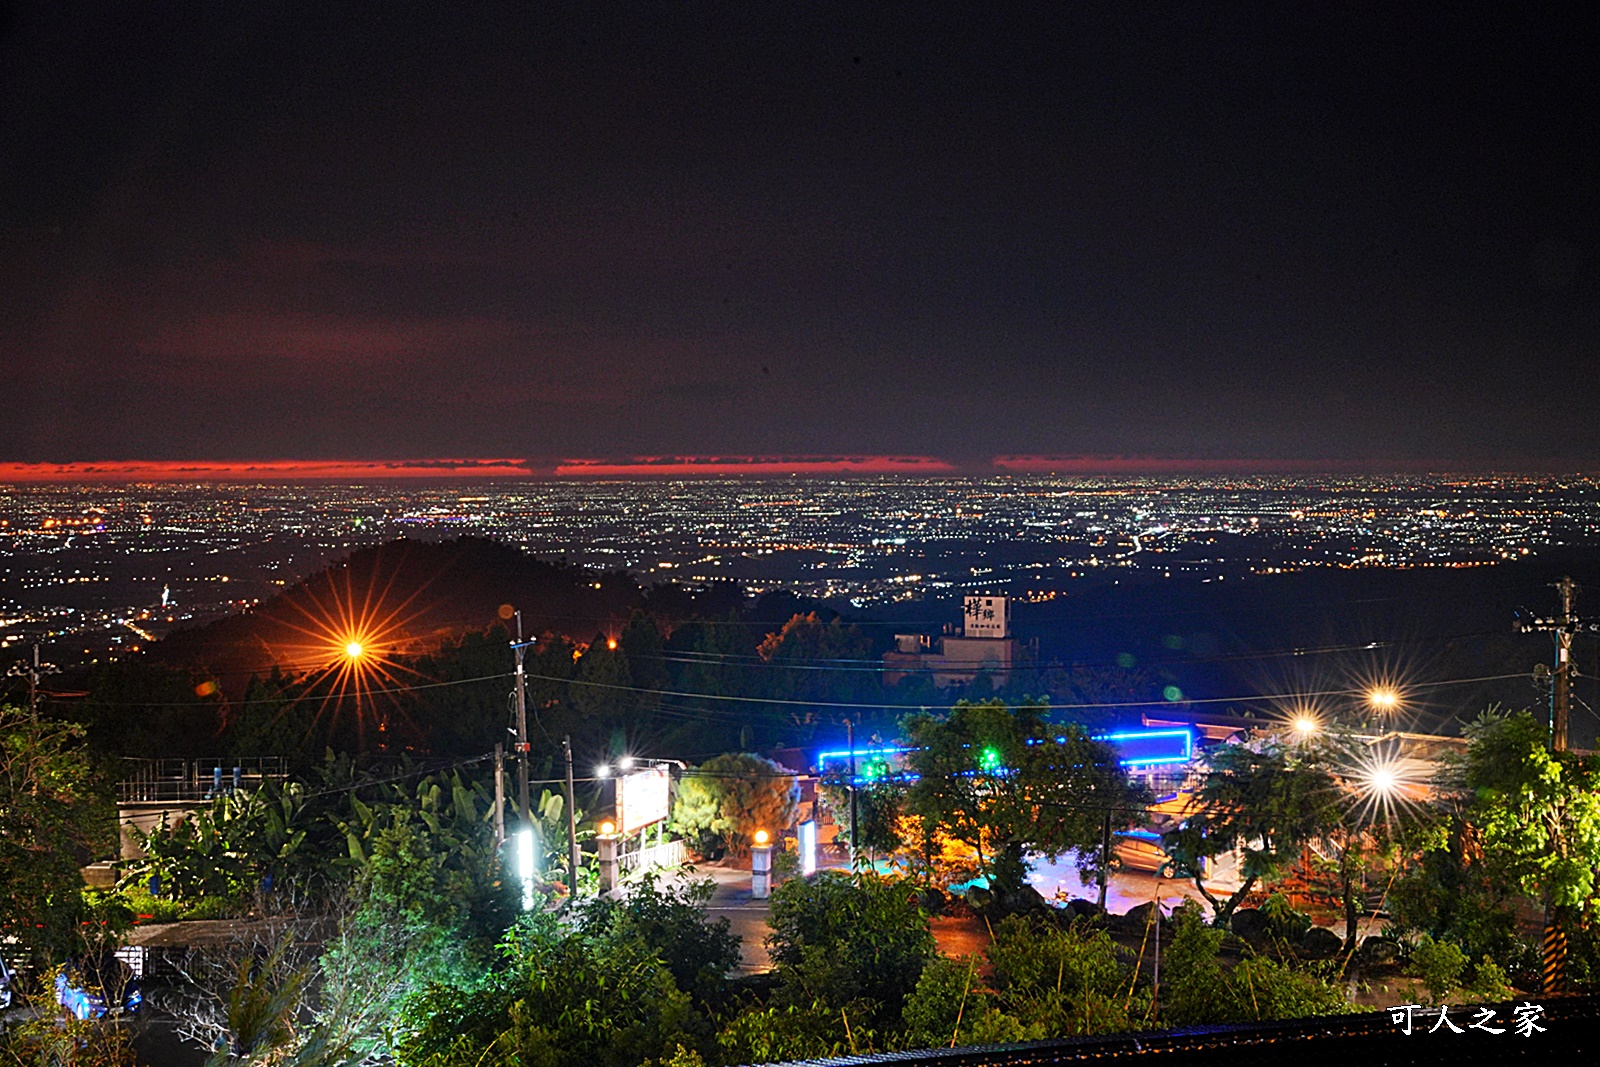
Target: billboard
[
  {"x": 642, "y": 799},
  {"x": 986, "y": 616}
]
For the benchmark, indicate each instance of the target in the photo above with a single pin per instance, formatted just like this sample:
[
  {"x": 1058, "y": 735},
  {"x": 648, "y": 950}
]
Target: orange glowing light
[
  {"x": 352, "y": 629},
  {"x": 762, "y": 837},
  {"x": 611, "y": 643},
  {"x": 608, "y": 828}
]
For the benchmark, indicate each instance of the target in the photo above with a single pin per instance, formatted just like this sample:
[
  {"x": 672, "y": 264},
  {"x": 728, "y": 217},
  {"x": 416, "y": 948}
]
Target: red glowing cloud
[
  {"x": 264, "y": 471},
  {"x": 699, "y": 466}
]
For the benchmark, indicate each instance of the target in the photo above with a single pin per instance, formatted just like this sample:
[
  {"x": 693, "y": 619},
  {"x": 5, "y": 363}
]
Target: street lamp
[
  {"x": 1305, "y": 725},
  {"x": 1383, "y": 699},
  {"x": 353, "y": 650}
]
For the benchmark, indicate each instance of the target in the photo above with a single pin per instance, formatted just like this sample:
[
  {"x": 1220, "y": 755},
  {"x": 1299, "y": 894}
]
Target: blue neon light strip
[{"x": 1111, "y": 739}]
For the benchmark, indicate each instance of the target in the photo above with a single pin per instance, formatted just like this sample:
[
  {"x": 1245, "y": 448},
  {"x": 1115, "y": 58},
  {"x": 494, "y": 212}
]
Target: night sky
[{"x": 1307, "y": 233}]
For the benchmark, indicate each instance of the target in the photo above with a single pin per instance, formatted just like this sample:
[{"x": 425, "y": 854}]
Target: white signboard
[
  {"x": 986, "y": 616},
  {"x": 642, "y": 799}
]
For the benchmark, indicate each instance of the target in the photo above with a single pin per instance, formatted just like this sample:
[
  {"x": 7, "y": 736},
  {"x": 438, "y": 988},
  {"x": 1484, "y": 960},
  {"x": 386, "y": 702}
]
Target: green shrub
[
  {"x": 214, "y": 908},
  {"x": 838, "y": 938},
  {"x": 951, "y": 1007},
  {"x": 1284, "y": 922},
  {"x": 559, "y": 998},
  {"x": 147, "y": 908},
  {"x": 1490, "y": 982},
  {"x": 1440, "y": 965},
  {"x": 670, "y": 921},
  {"x": 1063, "y": 982},
  {"x": 794, "y": 1032},
  {"x": 1197, "y": 989}
]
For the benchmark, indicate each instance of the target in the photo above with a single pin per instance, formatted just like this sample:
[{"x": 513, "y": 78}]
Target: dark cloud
[{"x": 1363, "y": 234}]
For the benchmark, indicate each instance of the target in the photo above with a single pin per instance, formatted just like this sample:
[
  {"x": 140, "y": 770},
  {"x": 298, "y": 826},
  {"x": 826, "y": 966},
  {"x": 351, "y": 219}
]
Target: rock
[
  {"x": 979, "y": 898},
  {"x": 934, "y": 900},
  {"x": 1138, "y": 916},
  {"x": 1085, "y": 909},
  {"x": 1249, "y": 924},
  {"x": 1377, "y": 951},
  {"x": 1025, "y": 900},
  {"x": 1320, "y": 943}
]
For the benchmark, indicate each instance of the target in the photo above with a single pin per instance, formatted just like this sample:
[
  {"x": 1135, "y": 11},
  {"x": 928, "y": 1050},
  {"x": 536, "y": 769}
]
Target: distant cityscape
[{"x": 92, "y": 570}]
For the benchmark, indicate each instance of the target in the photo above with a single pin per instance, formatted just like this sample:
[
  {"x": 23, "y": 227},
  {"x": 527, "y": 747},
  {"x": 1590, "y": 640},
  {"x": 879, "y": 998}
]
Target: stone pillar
[
  {"x": 761, "y": 871},
  {"x": 609, "y": 867}
]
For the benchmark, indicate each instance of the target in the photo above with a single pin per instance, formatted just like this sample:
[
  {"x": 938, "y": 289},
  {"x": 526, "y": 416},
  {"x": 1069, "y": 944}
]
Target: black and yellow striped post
[{"x": 1554, "y": 959}]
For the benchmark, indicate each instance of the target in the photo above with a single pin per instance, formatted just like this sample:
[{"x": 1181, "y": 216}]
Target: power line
[{"x": 851, "y": 704}]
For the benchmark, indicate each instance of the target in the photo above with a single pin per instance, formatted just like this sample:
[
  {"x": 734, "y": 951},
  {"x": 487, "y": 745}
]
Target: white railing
[{"x": 666, "y": 854}]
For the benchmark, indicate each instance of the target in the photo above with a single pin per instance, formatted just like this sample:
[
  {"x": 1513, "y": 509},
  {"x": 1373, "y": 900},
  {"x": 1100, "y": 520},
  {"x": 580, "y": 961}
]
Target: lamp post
[
  {"x": 761, "y": 866},
  {"x": 607, "y": 840}
]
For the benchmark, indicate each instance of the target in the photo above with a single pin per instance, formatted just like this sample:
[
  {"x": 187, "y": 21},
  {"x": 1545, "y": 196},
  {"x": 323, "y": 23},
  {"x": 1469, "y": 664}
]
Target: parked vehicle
[
  {"x": 1140, "y": 850},
  {"x": 7, "y": 984},
  {"x": 99, "y": 985}
]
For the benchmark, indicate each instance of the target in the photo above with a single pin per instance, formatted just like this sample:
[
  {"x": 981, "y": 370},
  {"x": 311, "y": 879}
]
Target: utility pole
[
  {"x": 850, "y": 740},
  {"x": 520, "y": 647},
  {"x": 499, "y": 795},
  {"x": 1563, "y": 626},
  {"x": 1105, "y": 858},
  {"x": 572, "y": 822},
  {"x": 35, "y": 675}
]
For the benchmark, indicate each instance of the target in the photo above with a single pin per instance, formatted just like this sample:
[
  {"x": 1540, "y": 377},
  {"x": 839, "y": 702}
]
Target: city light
[
  {"x": 762, "y": 837},
  {"x": 1306, "y": 725},
  {"x": 607, "y": 828},
  {"x": 353, "y": 649}
]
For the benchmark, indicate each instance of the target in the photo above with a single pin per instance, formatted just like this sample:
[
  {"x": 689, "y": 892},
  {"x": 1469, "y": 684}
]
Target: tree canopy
[{"x": 1007, "y": 782}]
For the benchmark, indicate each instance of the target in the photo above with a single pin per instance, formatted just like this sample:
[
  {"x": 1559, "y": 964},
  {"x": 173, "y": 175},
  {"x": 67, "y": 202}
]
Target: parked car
[
  {"x": 7, "y": 993},
  {"x": 1140, "y": 850},
  {"x": 98, "y": 985}
]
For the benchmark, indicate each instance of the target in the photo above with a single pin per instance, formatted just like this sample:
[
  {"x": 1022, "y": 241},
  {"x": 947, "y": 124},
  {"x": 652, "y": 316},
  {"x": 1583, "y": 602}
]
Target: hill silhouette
[{"x": 408, "y": 597}]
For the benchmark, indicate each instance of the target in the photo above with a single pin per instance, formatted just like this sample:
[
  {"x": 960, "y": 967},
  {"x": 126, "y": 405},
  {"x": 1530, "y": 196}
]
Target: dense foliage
[
  {"x": 1006, "y": 782},
  {"x": 726, "y": 800},
  {"x": 51, "y": 822}
]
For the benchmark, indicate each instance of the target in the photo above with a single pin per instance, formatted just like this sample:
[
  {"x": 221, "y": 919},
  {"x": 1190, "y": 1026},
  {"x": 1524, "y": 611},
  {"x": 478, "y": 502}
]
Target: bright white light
[
  {"x": 808, "y": 847},
  {"x": 626, "y": 762},
  {"x": 1383, "y": 699},
  {"x": 1382, "y": 781},
  {"x": 522, "y": 842},
  {"x": 354, "y": 650},
  {"x": 1305, "y": 724},
  {"x": 602, "y": 771}
]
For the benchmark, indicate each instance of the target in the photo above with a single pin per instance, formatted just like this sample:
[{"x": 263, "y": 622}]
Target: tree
[
  {"x": 1006, "y": 782},
  {"x": 1267, "y": 799},
  {"x": 1537, "y": 811},
  {"x": 815, "y": 660},
  {"x": 50, "y": 819},
  {"x": 730, "y": 797}
]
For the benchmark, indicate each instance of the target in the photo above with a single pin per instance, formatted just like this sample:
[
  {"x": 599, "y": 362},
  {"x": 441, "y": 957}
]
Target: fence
[
  {"x": 160, "y": 781},
  {"x": 666, "y": 854}
]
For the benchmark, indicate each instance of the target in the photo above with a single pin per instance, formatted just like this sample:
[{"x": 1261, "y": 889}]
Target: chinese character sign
[
  {"x": 1414, "y": 1019},
  {"x": 986, "y": 616}
]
